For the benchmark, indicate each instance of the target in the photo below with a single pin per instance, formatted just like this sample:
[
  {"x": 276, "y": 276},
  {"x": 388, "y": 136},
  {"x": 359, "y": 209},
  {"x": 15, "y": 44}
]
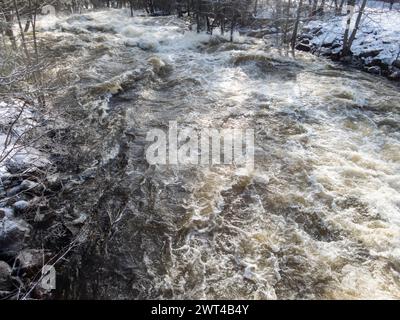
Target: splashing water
[{"x": 318, "y": 217}]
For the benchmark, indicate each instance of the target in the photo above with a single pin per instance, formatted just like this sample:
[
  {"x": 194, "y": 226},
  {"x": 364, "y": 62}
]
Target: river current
[{"x": 318, "y": 217}]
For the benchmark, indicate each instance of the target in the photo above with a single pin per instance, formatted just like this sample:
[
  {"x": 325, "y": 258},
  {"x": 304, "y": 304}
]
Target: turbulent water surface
[{"x": 318, "y": 217}]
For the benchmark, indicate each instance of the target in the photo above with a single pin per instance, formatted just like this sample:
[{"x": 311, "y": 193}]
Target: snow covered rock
[
  {"x": 21, "y": 206},
  {"x": 6, "y": 213}
]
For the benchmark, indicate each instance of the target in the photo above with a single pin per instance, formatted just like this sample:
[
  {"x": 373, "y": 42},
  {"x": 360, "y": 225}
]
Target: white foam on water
[{"x": 318, "y": 217}]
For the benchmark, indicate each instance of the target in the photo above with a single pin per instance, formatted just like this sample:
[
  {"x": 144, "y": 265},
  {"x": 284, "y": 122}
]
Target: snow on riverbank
[
  {"x": 16, "y": 120},
  {"x": 379, "y": 34}
]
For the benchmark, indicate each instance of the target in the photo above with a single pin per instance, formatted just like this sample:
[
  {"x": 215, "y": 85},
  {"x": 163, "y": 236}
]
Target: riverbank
[{"x": 376, "y": 48}]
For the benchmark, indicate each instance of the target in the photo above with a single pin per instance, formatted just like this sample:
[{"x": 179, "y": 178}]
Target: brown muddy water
[{"x": 317, "y": 218}]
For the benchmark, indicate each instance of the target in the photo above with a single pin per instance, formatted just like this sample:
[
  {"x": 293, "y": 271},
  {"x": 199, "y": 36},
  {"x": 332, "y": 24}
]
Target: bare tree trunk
[
  {"x": 131, "y": 5},
  {"x": 286, "y": 29},
  {"x": 313, "y": 11},
  {"x": 321, "y": 7},
  {"x": 28, "y": 57},
  {"x": 341, "y": 7},
  {"x": 8, "y": 29},
  {"x": 350, "y": 11},
  {"x": 346, "y": 50},
  {"x": 232, "y": 27},
  {"x": 27, "y": 25},
  {"x": 33, "y": 19},
  {"x": 198, "y": 7},
  {"x": 255, "y": 7},
  {"x": 296, "y": 25}
]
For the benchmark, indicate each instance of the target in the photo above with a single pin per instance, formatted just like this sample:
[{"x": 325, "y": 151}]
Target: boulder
[
  {"x": 326, "y": 52},
  {"x": 374, "y": 70},
  {"x": 13, "y": 191},
  {"x": 21, "y": 206},
  {"x": 12, "y": 235},
  {"x": 302, "y": 46},
  {"x": 28, "y": 185},
  {"x": 6, "y": 213},
  {"x": 396, "y": 63},
  {"x": 305, "y": 37},
  {"x": 369, "y": 54},
  {"x": 5, "y": 276},
  {"x": 159, "y": 66},
  {"x": 377, "y": 62},
  {"x": 395, "y": 76}
]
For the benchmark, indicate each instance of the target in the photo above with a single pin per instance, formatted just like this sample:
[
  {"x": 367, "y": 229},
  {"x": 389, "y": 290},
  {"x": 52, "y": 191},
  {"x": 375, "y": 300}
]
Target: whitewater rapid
[{"x": 317, "y": 218}]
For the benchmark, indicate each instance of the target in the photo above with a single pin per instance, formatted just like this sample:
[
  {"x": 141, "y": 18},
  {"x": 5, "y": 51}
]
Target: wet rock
[
  {"x": 106, "y": 88},
  {"x": 54, "y": 181},
  {"x": 336, "y": 45},
  {"x": 89, "y": 173},
  {"x": 377, "y": 62},
  {"x": 28, "y": 160},
  {"x": 395, "y": 76},
  {"x": 316, "y": 31},
  {"x": 374, "y": 70},
  {"x": 28, "y": 185},
  {"x": 13, "y": 191},
  {"x": 327, "y": 44},
  {"x": 326, "y": 52},
  {"x": 159, "y": 67},
  {"x": 396, "y": 63},
  {"x": 303, "y": 46},
  {"x": 21, "y": 206},
  {"x": 369, "y": 54},
  {"x": 6, "y": 213},
  {"x": 12, "y": 235},
  {"x": 305, "y": 37},
  {"x": 5, "y": 276}
]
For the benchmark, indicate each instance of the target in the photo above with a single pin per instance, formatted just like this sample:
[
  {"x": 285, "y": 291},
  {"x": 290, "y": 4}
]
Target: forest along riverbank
[{"x": 316, "y": 218}]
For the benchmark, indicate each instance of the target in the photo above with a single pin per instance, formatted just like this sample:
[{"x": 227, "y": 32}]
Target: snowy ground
[
  {"x": 379, "y": 32},
  {"x": 16, "y": 120}
]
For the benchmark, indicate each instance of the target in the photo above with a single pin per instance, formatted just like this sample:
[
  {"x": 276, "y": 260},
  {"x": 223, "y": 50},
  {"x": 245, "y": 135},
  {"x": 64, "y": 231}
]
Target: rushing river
[{"x": 317, "y": 217}]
